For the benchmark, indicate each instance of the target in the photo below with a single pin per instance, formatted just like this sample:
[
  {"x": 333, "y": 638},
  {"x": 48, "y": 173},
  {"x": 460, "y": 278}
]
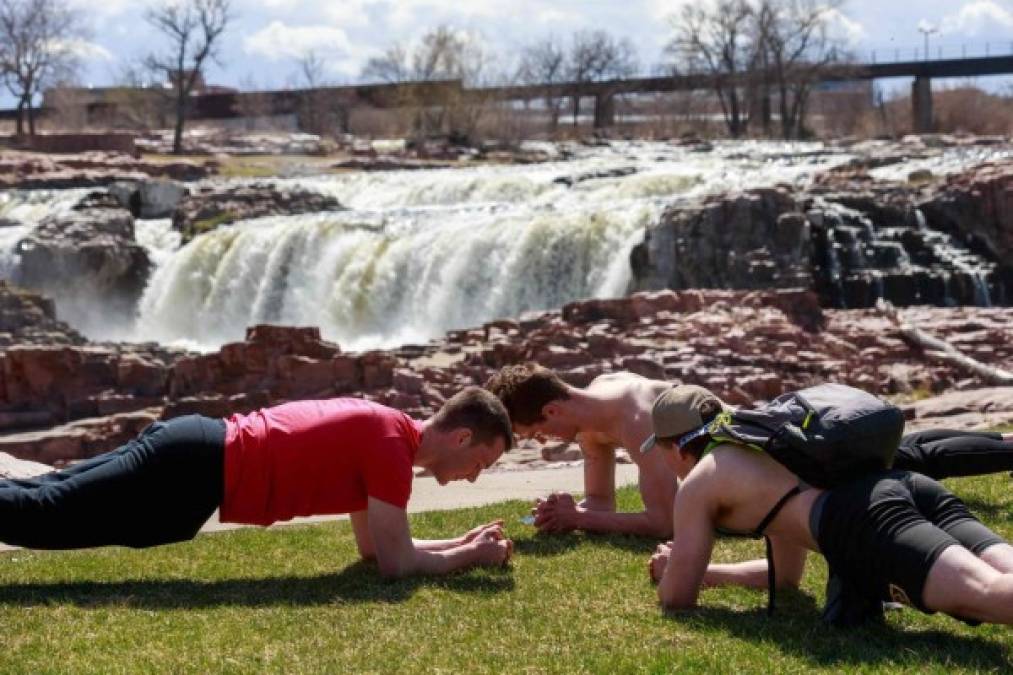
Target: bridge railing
[{"x": 935, "y": 52}]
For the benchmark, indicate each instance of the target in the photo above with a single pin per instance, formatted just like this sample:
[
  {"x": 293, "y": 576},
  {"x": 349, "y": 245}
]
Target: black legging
[
  {"x": 943, "y": 453},
  {"x": 159, "y": 488}
]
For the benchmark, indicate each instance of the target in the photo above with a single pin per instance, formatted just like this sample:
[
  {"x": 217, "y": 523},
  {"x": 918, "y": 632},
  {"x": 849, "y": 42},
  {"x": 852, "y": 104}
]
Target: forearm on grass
[
  {"x": 641, "y": 523},
  {"x": 442, "y": 561},
  {"x": 426, "y": 562},
  {"x": 437, "y": 544},
  {"x": 751, "y": 574}
]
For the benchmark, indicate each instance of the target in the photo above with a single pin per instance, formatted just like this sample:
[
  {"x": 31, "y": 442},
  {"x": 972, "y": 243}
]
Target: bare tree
[
  {"x": 311, "y": 68},
  {"x": 718, "y": 42},
  {"x": 194, "y": 29},
  {"x": 321, "y": 108},
  {"x": 392, "y": 67},
  {"x": 443, "y": 54},
  {"x": 544, "y": 63},
  {"x": 798, "y": 50},
  {"x": 596, "y": 55},
  {"x": 35, "y": 50}
]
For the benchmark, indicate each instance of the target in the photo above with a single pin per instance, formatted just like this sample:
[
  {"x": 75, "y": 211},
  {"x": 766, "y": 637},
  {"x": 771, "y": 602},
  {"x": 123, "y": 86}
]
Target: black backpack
[{"x": 826, "y": 435}]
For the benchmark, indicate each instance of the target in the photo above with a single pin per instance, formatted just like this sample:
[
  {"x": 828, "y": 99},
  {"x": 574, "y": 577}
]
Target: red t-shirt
[{"x": 316, "y": 457}]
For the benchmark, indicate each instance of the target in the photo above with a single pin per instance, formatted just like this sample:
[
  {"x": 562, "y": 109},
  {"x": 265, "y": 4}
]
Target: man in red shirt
[{"x": 297, "y": 459}]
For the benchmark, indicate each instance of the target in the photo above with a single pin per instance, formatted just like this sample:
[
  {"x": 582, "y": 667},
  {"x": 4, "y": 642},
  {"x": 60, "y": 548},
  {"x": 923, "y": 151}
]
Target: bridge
[
  {"x": 604, "y": 92},
  {"x": 230, "y": 104}
]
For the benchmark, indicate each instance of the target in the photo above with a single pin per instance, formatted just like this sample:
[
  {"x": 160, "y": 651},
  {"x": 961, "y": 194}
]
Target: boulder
[
  {"x": 87, "y": 259},
  {"x": 148, "y": 198},
  {"x": 749, "y": 240},
  {"x": 977, "y": 204},
  {"x": 211, "y": 206}
]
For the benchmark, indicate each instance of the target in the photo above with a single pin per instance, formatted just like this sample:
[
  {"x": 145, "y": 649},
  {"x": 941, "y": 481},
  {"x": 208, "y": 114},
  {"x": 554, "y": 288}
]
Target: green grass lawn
[{"x": 294, "y": 600}]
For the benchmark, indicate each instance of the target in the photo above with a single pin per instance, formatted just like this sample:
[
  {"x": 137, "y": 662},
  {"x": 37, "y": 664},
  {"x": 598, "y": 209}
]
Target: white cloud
[
  {"x": 847, "y": 28},
  {"x": 278, "y": 41},
  {"x": 977, "y": 17},
  {"x": 106, "y": 8},
  {"x": 348, "y": 13},
  {"x": 85, "y": 50}
]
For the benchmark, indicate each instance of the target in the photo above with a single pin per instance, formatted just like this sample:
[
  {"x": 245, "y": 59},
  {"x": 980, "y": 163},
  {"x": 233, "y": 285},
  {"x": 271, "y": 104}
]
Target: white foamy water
[
  {"x": 421, "y": 252},
  {"x": 952, "y": 161},
  {"x": 158, "y": 239}
]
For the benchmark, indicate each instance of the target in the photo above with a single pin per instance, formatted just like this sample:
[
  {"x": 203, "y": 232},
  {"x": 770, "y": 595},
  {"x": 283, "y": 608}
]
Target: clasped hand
[{"x": 556, "y": 513}]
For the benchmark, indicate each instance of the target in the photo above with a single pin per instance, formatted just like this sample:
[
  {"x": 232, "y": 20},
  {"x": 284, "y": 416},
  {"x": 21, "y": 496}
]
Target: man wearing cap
[
  {"x": 894, "y": 535},
  {"x": 614, "y": 411}
]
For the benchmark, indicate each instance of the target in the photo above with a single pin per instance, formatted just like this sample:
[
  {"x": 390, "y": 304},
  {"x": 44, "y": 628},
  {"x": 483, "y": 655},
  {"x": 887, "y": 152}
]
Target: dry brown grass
[{"x": 957, "y": 109}]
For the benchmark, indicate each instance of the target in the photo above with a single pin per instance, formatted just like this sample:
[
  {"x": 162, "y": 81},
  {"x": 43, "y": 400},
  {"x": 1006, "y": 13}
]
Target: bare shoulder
[
  {"x": 744, "y": 474},
  {"x": 734, "y": 463},
  {"x": 634, "y": 392},
  {"x": 702, "y": 487},
  {"x": 614, "y": 378}
]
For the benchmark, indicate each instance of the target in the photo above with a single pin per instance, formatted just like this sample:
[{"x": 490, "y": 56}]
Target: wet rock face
[
  {"x": 86, "y": 257},
  {"x": 978, "y": 207},
  {"x": 30, "y": 318},
  {"x": 850, "y": 238},
  {"x": 753, "y": 240},
  {"x": 856, "y": 261},
  {"x": 209, "y": 207}
]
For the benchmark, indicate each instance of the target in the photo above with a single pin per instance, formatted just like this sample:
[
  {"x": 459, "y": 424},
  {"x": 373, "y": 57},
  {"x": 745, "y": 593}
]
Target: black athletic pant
[
  {"x": 942, "y": 453},
  {"x": 159, "y": 488}
]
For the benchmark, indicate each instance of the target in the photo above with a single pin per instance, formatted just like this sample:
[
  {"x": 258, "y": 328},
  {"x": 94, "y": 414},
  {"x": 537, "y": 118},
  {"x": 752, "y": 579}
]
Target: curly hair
[{"x": 525, "y": 389}]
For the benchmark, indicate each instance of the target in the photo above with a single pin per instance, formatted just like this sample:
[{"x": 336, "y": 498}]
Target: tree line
[{"x": 760, "y": 58}]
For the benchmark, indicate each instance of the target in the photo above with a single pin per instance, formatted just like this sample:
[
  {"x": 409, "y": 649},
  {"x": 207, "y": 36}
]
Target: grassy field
[{"x": 294, "y": 600}]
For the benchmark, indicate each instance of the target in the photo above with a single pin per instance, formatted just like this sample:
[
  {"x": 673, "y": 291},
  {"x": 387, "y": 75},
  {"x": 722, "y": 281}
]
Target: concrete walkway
[{"x": 498, "y": 486}]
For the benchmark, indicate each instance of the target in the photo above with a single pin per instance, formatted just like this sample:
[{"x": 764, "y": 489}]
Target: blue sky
[{"x": 263, "y": 44}]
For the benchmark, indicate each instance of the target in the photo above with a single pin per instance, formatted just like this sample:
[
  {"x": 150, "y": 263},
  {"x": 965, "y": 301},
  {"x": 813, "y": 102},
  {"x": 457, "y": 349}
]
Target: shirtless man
[
  {"x": 614, "y": 411},
  {"x": 895, "y": 535}
]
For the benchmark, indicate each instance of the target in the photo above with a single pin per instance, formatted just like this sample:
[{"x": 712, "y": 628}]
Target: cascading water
[
  {"x": 371, "y": 284},
  {"x": 421, "y": 252}
]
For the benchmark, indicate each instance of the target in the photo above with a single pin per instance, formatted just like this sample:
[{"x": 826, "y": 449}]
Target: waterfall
[
  {"x": 368, "y": 285},
  {"x": 421, "y": 252}
]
